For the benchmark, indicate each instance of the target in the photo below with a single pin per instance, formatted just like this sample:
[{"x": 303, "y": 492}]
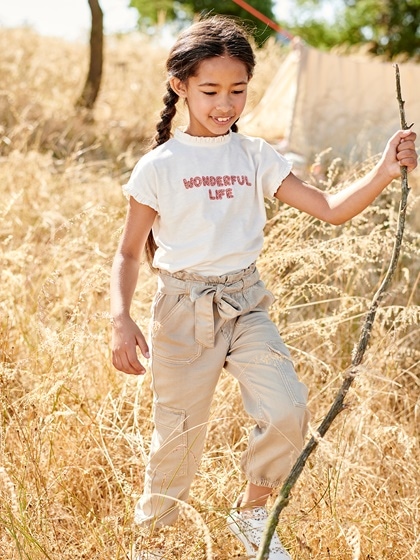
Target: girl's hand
[
  {"x": 126, "y": 336},
  {"x": 400, "y": 151}
]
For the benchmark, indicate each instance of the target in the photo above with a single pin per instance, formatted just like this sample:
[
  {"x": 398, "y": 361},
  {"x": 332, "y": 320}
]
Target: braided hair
[{"x": 207, "y": 38}]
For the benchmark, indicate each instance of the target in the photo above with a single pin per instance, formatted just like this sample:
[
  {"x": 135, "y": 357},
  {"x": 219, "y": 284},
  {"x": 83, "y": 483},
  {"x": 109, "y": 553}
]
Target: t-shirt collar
[{"x": 185, "y": 138}]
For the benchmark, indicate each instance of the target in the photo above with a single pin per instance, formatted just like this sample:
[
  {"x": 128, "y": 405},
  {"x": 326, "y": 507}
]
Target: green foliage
[
  {"x": 390, "y": 28},
  {"x": 149, "y": 11}
]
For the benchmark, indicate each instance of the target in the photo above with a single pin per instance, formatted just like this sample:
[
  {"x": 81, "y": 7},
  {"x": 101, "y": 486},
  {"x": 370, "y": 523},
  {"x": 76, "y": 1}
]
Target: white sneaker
[{"x": 248, "y": 526}]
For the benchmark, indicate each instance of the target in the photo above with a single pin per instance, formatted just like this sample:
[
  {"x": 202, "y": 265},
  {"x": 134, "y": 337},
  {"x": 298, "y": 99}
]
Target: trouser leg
[
  {"x": 272, "y": 395},
  {"x": 183, "y": 394}
]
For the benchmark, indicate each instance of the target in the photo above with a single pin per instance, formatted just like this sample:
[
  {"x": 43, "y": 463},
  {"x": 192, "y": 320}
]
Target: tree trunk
[{"x": 93, "y": 80}]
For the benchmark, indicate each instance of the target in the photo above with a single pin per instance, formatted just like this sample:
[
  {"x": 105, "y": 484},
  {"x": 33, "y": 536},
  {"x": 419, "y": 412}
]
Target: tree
[
  {"x": 150, "y": 11},
  {"x": 93, "y": 81},
  {"x": 390, "y": 28}
]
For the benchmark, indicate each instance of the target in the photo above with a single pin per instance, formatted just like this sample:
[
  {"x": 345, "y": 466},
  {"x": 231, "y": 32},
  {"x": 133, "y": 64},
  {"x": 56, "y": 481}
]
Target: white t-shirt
[{"x": 209, "y": 196}]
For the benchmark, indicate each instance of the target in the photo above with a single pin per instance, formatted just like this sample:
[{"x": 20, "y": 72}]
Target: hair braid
[
  {"x": 163, "y": 134},
  {"x": 167, "y": 114}
]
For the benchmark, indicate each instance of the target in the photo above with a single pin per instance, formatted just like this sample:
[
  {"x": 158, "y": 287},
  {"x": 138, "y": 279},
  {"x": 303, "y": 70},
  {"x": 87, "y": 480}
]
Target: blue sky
[{"x": 71, "y": 18}]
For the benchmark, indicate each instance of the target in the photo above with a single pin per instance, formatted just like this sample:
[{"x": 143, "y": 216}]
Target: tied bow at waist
[
  {"x": 205, "y": 297},
  {"x": 242, "y": 294}
]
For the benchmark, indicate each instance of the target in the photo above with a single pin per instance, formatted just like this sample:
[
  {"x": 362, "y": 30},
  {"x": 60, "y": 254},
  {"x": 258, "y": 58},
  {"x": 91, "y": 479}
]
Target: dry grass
[{"x": 75, "y": 434}]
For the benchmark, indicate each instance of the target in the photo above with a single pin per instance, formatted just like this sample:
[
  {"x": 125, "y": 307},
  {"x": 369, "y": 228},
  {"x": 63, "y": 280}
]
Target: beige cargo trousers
[{"x": 201, "y": 325}]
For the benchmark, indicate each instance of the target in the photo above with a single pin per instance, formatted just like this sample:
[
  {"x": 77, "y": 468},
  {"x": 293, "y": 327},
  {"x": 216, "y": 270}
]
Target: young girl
[{"x": 196, "y": 206}]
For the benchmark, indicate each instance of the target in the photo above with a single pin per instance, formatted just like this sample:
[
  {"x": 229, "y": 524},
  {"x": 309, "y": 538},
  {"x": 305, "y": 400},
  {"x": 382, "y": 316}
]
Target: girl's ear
[{"x": 178, "y": 87}]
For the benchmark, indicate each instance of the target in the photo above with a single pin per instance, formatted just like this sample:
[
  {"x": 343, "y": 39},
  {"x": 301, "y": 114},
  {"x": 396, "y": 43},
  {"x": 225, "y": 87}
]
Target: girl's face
[{"x": 215, "y": 96}]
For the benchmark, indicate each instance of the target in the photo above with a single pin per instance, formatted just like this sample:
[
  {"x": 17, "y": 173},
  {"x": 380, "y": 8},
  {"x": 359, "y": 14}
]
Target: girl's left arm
[{"x": 343, "y": 205}]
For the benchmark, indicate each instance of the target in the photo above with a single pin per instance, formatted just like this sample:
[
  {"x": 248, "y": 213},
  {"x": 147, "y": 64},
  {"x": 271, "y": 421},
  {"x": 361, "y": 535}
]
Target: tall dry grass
[{"x": 75, "y": 433}]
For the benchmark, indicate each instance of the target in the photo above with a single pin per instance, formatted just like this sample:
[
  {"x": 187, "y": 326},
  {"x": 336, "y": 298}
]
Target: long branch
[{"x": 338, "y": 405}]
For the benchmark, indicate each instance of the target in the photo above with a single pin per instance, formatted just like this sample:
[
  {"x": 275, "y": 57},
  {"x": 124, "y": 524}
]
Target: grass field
[{"x": 74, "y": 433}]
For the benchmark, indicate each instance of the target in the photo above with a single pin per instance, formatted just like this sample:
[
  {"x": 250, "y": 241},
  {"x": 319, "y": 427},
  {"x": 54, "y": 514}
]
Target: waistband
[
  {"x": 209, "y": 291},
  {"x": 187, "y": 281}
]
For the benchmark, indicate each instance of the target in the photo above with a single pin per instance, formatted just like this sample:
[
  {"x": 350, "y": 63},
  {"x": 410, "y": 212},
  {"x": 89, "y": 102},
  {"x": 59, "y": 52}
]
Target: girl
[{"x": 196, "y": 206}]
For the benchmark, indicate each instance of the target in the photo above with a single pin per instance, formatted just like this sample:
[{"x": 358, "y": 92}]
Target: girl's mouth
[{"x": 222, "y": 120}]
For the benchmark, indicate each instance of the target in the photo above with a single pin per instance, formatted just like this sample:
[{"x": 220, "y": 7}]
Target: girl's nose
[{"x": 223, "y": 105}]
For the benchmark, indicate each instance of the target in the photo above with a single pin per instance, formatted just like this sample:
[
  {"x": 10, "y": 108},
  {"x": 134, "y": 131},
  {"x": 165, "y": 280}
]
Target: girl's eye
[{"x": 235, "y": 92}]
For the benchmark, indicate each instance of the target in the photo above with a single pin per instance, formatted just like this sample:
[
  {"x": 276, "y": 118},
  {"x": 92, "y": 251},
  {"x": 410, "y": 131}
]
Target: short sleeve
[
  {"x": 272, "y": 169},
  {"x": 142, "y": 185}
]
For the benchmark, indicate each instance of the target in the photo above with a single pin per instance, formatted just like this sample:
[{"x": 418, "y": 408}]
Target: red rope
[{"x": 263, "y": 18}]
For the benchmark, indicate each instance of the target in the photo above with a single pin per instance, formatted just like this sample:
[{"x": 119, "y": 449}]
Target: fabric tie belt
[
  {"x": 205, "y": 297},
  {"x": 227, "y": 297}
]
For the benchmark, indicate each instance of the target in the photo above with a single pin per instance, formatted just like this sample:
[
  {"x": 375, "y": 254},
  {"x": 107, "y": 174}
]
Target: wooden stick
[{"x": 338, "y": 404}]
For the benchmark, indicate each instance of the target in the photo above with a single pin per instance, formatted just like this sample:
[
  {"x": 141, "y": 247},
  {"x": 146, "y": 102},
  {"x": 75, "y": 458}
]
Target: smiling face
[{"x": 215, "y": 96}]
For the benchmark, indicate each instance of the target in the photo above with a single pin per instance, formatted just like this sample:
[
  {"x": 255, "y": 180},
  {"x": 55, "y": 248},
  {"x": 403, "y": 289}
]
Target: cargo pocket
[
  {"x": 296, "y": 390},
  {"x": 173, "y": 329},
  {"x": 169, "y": 442}
]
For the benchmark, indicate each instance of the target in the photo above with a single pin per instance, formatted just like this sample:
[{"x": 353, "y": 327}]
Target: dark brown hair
[{"x": 210, "y": 37}]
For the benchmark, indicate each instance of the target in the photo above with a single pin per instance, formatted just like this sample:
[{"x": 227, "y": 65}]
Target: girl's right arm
[{"x": 126, "y": 335}]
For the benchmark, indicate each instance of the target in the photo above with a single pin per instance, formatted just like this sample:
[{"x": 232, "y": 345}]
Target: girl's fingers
[{"x": 127, "y": 362}]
